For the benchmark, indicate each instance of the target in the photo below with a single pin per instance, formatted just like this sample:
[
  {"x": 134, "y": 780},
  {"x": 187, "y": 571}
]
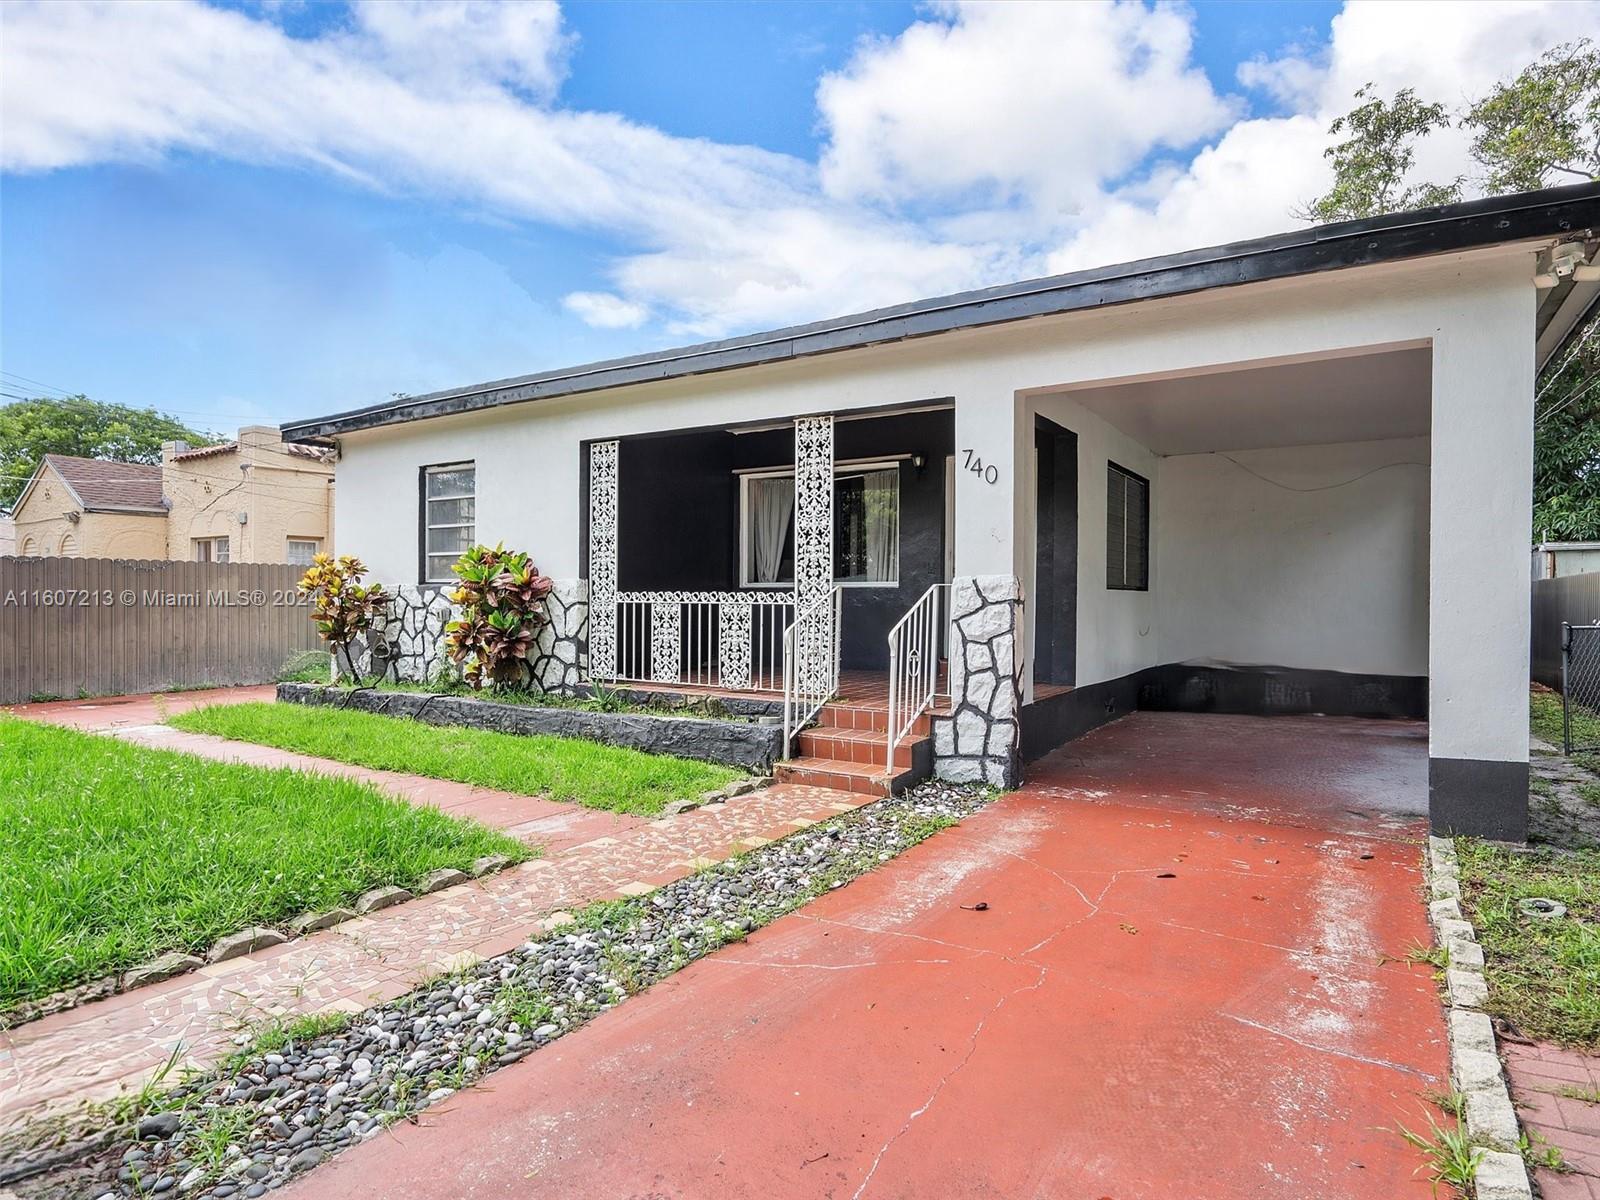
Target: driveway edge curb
[{"x": 1475, "y": 1065}]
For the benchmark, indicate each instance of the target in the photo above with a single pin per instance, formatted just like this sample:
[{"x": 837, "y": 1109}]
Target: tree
[
  {"x": 1371, "y": 165},
  {"x": 30, "y": 429},
  {"x": 1566, "y": 446},
  {"x": 1540, "y": 129},
  {"x": 1543, "y": 127}
]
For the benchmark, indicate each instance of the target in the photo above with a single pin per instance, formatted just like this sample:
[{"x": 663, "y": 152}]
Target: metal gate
[{"x": 1580, "y": 688}]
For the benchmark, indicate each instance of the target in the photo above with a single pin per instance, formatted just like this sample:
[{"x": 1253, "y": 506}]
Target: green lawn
[
  {"x": 112, "y": 853},
  {"x": 585, "y": 772},
  {"x": 1543, "y": 974}
]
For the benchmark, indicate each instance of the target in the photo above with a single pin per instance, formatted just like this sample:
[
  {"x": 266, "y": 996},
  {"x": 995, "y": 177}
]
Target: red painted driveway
[{"x": 1164, "y": 999}]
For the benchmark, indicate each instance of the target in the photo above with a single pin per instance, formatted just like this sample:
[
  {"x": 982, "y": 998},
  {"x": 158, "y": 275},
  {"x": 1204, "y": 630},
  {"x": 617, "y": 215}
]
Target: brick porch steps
[{"x": 847, "y": 747}]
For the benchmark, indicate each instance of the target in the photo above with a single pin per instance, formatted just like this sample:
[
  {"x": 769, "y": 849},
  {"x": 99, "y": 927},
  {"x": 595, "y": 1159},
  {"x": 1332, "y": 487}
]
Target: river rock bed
[{"x": 295, "y": 1095}]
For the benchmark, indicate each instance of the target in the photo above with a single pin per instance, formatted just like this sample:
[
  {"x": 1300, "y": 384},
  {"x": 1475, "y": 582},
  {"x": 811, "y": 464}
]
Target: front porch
[{"x": 806, "y": 563}]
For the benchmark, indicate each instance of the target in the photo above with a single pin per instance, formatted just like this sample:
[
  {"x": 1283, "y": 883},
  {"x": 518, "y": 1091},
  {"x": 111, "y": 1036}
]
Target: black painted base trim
[
  {"x": 1281, "y": 691},
  {"x": 1056, "y": 720},
  {"x": 1479, "y": 797},
  {"x": 1249, "y": 691}
]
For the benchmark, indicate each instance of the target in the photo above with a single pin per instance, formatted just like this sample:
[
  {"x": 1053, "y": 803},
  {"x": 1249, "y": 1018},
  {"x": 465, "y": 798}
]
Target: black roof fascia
[{"x": 1468, "y": 225}]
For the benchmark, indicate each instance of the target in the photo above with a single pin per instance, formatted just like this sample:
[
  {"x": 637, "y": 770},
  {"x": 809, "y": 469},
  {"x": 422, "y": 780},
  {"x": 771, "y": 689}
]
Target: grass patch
[
  {"x": 1544, "y": 719},
  {"x": 1448, "y": 1155},
  {"x": 112, "y": 853},
  {"x": 1543, "y": 974},
  {"x": 585, "y": 772}
]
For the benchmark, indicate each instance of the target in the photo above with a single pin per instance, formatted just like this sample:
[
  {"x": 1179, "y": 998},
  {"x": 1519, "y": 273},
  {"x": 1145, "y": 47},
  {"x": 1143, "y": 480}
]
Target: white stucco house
[{"x": 1284, "y": 475}]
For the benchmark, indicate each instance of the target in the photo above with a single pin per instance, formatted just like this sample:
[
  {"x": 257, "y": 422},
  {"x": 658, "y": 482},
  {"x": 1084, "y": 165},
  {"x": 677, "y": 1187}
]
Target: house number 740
[{"x": 989, "y": 474}]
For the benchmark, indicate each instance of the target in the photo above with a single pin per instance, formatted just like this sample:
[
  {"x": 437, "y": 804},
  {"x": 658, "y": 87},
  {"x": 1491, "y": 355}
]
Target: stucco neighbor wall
[
  {"x": 285, "y": 496},
  {"x": 45, "y": 528},
  {"x": 1325, "y": 568}
]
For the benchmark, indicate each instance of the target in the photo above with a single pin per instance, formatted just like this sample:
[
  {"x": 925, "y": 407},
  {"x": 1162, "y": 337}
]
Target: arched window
[
  {"x": 69, "y": 546},
  {"x": 29, "y": 546}
]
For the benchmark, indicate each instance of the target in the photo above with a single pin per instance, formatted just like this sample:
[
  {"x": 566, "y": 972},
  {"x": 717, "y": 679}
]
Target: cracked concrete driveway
[{"x": 1190, "y": 981}]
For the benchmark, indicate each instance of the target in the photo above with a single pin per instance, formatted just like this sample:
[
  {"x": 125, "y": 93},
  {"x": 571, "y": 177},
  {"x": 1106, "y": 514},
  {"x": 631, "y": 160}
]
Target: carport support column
[
  {"x": 1480, "y": 521},
  {"x": 980, "y": 740}
]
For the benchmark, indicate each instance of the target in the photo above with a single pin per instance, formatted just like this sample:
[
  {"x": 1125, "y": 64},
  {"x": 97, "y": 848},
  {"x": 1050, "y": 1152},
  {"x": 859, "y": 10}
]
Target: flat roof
[{"x": 1471, "y": 224}]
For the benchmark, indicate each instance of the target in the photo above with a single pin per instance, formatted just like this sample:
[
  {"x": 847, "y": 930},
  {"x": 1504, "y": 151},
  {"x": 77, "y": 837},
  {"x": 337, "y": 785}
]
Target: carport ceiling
[{"x": 1355, "y": 398}]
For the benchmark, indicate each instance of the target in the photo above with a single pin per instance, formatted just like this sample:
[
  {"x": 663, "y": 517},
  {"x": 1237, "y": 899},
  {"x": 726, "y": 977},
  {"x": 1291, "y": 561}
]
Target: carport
[{"x": 1250, "y": 539}]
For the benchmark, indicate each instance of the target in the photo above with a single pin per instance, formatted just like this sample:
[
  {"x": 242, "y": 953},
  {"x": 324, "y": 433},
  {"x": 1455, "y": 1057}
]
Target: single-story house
[
  {"x": 1284, "y": 475},
  {"x": 76, "y": 507},
  {"x": 253, "y": 499}
]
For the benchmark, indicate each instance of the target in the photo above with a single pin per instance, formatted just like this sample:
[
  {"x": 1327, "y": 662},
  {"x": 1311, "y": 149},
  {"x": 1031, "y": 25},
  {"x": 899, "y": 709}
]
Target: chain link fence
[{"x": 1580, "y": 688}]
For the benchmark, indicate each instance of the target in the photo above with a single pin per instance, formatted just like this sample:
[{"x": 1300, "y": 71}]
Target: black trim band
[{"x": 1478, "y": 797}]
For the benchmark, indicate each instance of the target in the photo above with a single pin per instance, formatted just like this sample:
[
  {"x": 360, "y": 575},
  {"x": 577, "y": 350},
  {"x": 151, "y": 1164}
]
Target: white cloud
[
  {"x": 1037, "y": 101},
  {"x": 986, "y": 142},
  {"x": 461, "y": 44},
  {"x": 605, "y": 310}
]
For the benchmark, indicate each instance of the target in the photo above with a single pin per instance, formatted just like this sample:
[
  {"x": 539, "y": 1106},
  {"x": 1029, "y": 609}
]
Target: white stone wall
[
  {"x": 413, "y": 637},
  {"x": 978, "y": 741}
]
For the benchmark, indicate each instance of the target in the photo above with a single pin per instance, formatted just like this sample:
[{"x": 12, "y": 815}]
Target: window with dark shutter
[{"x": 1127, "y": 530}]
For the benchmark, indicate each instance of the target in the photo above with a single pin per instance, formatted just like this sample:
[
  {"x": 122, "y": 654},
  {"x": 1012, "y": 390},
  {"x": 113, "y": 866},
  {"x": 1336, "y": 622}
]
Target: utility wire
[
  {"x": 1326, "y": 487},
  {"x": 1556, "y": 374}
]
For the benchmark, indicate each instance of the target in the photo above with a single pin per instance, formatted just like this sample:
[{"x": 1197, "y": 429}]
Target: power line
[
  {"x": 1556, "y": 374},
  {"x": 1568, "y": 402}
]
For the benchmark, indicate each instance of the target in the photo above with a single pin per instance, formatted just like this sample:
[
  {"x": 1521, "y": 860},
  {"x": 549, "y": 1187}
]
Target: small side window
[
  {"x": 1127, "y": 530},
  {"x": 449, "y": 517}
]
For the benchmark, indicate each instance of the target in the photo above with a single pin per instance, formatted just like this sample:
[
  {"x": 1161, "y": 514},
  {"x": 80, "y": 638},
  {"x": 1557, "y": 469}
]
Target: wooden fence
[
  {"x": 103, "y": 626},
  {"x": 1571, "y": 599}
]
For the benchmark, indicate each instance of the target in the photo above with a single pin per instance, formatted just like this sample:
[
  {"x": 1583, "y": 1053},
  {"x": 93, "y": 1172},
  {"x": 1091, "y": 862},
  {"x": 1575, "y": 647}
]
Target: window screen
[{"x": 1127, "y": 530}]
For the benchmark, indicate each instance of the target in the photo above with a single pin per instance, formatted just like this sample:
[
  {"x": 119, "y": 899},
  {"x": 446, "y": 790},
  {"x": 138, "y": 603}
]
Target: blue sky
[{"x": 261, "y": 212}]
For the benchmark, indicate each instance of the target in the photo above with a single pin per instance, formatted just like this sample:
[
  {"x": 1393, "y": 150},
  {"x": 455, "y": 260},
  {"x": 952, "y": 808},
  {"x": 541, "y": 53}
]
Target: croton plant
[
  {"x": 341, "y": 605},
  {"x": 501, "y": 599}
]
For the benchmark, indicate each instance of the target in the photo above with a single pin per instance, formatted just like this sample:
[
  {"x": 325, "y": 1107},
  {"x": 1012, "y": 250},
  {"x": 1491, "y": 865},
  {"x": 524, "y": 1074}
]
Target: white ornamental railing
[
  {"x": 722, "y": 640},
  {"x": 810, "y": 664},
  {"x": 917, "y": 643}
]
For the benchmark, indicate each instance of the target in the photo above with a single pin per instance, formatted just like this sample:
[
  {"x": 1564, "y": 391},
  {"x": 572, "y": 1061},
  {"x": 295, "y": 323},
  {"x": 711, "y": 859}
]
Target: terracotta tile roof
[
  {"x": 205, "y": 451},
  {"x": 102, "y": 484},
  {"x": 314, "y": 453}
]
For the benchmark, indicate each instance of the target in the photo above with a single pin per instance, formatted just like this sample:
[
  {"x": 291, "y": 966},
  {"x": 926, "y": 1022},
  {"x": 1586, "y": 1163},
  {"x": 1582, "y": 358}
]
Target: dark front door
[{"x": 1055, "y": 651}]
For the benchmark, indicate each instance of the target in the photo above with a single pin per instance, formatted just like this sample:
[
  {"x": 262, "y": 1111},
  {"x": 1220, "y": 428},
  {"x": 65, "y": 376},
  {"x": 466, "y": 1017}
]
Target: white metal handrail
[
  {"x": 916, "y": 644},
  {"x": 723, "y": 640},
  {"x": 810, "y": 669}
]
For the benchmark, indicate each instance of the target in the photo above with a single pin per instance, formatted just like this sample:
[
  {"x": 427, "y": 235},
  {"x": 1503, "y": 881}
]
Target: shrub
[
  {"x": 340, "y": 605},
  {"x": 501, "y": 597}
]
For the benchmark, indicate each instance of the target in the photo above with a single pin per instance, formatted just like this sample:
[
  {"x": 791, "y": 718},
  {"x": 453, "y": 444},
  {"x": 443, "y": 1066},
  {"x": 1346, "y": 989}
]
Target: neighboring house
[
  {"x": 8, "y": 534},
  {"x": 89, "y": 508},
  {"x": 250, "y": 500},
  {"x": 1552, "y": 560},
  {"x": 1283, "y": 475},
  {"x": 253, "y": 499}
]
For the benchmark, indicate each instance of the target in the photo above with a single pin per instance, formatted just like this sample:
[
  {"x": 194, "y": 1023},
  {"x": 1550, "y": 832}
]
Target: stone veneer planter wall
[
  {"x": 746, "y": 745},
  {"x": 414, "y": 636},
  {"x": 978, "y": 741}
]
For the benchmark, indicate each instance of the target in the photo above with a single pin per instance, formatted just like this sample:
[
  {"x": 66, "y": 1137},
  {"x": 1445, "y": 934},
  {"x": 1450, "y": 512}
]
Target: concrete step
[
  {"x": 854, "y": 745},
  {"x": 867, "y": 779}
]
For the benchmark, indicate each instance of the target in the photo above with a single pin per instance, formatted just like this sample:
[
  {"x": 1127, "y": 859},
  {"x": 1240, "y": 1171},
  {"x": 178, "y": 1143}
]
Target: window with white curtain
[
  {"x": 449, "y": 517},
  {"x": 303, "y": 550},
  {"x": 211, "y": 549},
  {"x": 866, "y": 527}
]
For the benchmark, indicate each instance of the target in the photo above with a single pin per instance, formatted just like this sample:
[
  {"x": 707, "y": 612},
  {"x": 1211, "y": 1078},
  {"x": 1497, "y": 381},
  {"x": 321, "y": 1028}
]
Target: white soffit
[{"x": 1355, "y": 398}]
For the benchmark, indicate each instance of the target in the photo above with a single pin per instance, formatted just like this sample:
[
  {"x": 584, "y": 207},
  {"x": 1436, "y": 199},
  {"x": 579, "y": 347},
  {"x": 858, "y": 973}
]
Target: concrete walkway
[
  {"x": 90, "y": 1052},
  {"x": 1187, "y": 982}
]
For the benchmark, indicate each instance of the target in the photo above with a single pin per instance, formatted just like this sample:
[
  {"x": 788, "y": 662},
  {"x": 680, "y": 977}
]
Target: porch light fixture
[{"x": 918, "y": 462}]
